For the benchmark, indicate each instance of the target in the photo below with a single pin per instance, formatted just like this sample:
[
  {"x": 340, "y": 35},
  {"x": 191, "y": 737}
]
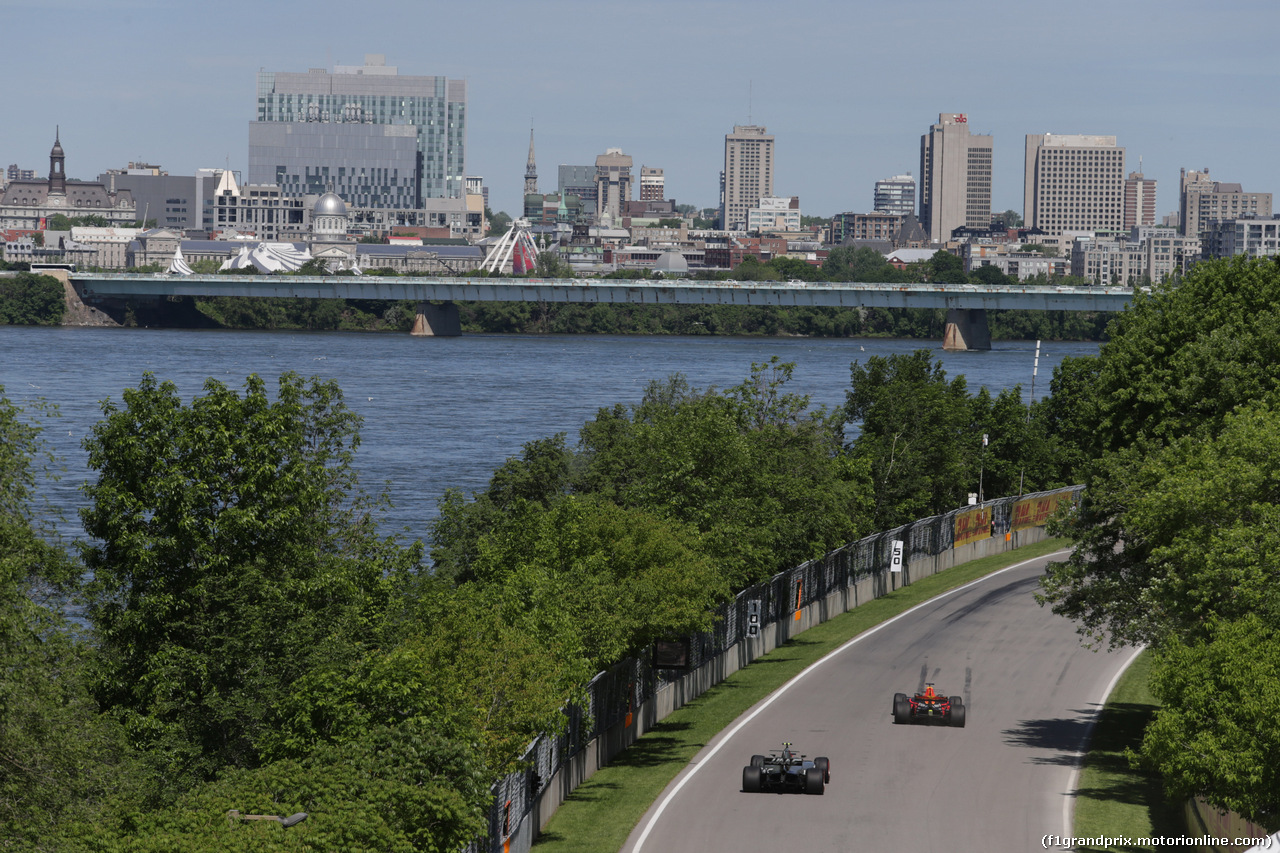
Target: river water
[{"x": 441, "y": 412}]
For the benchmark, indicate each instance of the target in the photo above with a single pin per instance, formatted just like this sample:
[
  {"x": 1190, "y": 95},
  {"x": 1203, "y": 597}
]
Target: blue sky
[{"x": 847, "y": 88}]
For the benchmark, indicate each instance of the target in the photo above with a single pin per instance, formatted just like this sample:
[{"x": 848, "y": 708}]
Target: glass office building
[{"x": 359, "y": 118}]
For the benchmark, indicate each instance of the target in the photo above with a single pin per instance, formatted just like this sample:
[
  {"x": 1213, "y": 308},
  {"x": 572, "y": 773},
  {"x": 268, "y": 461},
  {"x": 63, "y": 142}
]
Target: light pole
[{"x": 982, "y": 463}]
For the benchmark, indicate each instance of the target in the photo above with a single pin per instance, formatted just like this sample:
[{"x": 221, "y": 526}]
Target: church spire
[
  {"x": 530, "y": 171},
  {"x": 57, "y": 166}
]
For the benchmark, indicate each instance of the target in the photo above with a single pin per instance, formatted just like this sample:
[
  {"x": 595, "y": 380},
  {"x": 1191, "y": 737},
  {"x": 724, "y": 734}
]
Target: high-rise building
[
  {"x": 1139, "y": 201},
  {"x": 955, "y": 177},
  {"x": 653, "y": 185},
  {"x": 896, "y": 195},
  {"x": 613, "y": 184},
  {"x": 1204, "y": 200},
  {"x": 748, "y": 174},
  {"x": 366, "y": 132},
  {"x": 1073, "y": 182},
  {"x": 579, "y": 181}
]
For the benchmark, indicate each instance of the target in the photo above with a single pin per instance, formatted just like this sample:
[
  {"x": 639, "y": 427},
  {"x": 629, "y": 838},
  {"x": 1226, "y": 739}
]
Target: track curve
[{"x": 997, "y": 785}]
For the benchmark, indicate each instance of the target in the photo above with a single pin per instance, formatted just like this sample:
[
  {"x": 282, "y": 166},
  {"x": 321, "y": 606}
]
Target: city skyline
[{"x": 175, "y": 87}]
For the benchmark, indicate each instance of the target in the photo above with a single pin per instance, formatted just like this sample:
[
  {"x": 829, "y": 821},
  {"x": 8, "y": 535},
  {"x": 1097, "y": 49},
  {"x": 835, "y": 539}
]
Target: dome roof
[
  {"x": 671, "y": 262},
  {"x": 330, "y": 205}
]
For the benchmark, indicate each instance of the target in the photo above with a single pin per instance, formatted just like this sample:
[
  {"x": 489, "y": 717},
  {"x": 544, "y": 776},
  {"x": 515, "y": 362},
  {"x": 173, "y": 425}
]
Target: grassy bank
[
  {"x": 1114, "y": 800},
  {"x": 600, "y": 814}
]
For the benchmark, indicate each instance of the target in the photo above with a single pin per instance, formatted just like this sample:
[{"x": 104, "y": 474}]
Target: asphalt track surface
[{"x": 998, "y": 785}]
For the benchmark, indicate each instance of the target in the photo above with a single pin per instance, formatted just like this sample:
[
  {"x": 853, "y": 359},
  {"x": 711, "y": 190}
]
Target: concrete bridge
[{"x": 966, "y": 304}]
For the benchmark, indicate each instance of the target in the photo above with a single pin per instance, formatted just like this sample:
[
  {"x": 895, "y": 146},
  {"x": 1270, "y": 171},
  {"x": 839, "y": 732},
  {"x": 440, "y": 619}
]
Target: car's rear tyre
[
  {"x": 957, "y": 715},
  {"x": 757, "y": 761},
  {"x": 901, "y": 708},
  {"x": 751, "y": 777},
  {"x": 813, "y": 781},
  {"x": 823, "y": 764}
]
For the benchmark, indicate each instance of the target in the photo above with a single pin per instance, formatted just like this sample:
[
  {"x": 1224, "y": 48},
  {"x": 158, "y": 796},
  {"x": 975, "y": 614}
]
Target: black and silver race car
[
  {"x": 786, "y": 770},
  {"x": 928, "y": 707}
]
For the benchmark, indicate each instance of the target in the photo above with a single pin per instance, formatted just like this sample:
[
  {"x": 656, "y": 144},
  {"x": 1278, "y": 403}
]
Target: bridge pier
[
  {"x": 439, "y": 321},
  {"x": 966, "y": 330}
]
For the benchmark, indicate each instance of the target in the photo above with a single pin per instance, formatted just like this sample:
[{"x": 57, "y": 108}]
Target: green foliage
[
  {"x": 1174, "y": 426},
  {"x": 58, "y": 758},
  {"x": 1184, "y": 356},
  {"x": 404, "y": 789},
  {"x": 549, "y": 265},
  {"x": 31, "y": 300},
  {"x": 499, "y": 223},
  {"x": 767, "y": 486},
  {"x": 623, "y": 577},
  {"x": 235, "y": 552},
  {"x": 1215, "y": 735},
  {"x": 1174, "y": 537},
  {"x": 916, "y": 435}
]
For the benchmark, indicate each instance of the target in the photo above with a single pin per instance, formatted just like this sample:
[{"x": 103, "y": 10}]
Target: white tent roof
[
  {"x": 268, "y": 258},
  {"x": 178, "y": 266}
]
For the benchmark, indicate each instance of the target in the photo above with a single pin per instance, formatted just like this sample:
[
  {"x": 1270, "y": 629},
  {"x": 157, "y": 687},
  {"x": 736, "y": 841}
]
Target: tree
[
  {"x": 624, "y": 577},
  {"x": 945, "y": 268},
  {"x": 767, "y": 485},
  {"x": 1212, "y": 737},
  {"x": 59, "y": 759},
  {"x": 404, "y": 789},
  {"x": 916, "y": 435},
  {"x": 1172, "y": 538},
  {"x": 31, "y": 300},
  {"x": 1008, "y": 219},
  {"x": 549, "y": 265},
  {"x": 235, "y": 552},
  {"x": 499, "y": 223}
]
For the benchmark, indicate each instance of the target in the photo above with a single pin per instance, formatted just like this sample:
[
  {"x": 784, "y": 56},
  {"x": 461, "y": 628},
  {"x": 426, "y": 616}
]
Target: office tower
[
  {"x": 896, "y": 195},
  {"x": 1204, "y": 200},
  {"x": 1139, "y": 201},
  {"x": 955, "y": 177},
  {"x": 579, "y": 181},
  {"x": 653, "y": 186},
  {"x": 1073, "y": 182},
  {"x": 371, "y": 135},
  {"x": 748, "y": 173},
  {"x": 613, "y": 184}
]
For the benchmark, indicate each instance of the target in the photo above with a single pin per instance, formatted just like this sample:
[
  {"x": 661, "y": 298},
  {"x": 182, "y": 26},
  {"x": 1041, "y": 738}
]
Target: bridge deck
[{"x": 684, "y": 292}]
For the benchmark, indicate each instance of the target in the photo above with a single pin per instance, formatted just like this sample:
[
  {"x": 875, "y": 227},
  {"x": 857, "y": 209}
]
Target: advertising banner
[
  {"x": 1033, "y": 512},
  {"x": 973, "y": 525}
]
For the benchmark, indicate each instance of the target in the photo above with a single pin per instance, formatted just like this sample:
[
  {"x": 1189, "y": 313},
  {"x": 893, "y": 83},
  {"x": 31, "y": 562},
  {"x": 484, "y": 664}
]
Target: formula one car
[
  {"x": 786, "y": 770},
  {"x": 928, "y": 707}
]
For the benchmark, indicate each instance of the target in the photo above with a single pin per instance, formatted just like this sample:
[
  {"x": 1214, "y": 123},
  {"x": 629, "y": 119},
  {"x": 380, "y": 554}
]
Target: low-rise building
[{"x": 1254, "y": 237}]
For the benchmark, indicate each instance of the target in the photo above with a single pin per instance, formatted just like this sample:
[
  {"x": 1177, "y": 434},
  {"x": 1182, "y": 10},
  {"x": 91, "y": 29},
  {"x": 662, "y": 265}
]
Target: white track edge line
[
  {"x": 1069, "y": 800},
  {"x": 783, "y": 689}
]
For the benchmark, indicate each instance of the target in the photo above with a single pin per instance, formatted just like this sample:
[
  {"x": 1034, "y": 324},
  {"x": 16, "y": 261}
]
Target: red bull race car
[
  {"x": 786, "y": 770},
  {"x": 928, "y": 707}
]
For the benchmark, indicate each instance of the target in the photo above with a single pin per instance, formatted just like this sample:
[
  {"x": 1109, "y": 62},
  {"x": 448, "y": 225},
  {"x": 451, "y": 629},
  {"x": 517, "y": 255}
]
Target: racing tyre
[
  {"x": 823, "y": 764},
  {"x": 751, "y": 779},
  {"x": 757, "y": 761},
  {"x": 957, "y": 715},
  {"x": 901, "y": 708},
  {"x": 813, "y": 781}
]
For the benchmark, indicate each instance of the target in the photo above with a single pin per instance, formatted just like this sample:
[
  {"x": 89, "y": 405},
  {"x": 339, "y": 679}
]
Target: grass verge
[
  {"x": 1114, "y": 800},
  {"x": 600, "y": 814}
]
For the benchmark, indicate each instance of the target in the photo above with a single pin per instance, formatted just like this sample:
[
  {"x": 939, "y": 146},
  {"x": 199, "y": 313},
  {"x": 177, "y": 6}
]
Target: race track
[{"x": 998, "y": 785}]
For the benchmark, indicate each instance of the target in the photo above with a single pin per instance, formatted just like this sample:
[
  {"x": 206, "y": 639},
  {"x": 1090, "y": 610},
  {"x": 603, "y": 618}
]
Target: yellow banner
[
  {"x": 1033, "y": 512},
  {"x": 973, "y": 525}
]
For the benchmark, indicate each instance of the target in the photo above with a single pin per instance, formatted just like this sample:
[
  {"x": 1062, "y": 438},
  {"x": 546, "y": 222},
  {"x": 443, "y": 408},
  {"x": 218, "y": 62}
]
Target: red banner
[{"x": 973, "y": 525}]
